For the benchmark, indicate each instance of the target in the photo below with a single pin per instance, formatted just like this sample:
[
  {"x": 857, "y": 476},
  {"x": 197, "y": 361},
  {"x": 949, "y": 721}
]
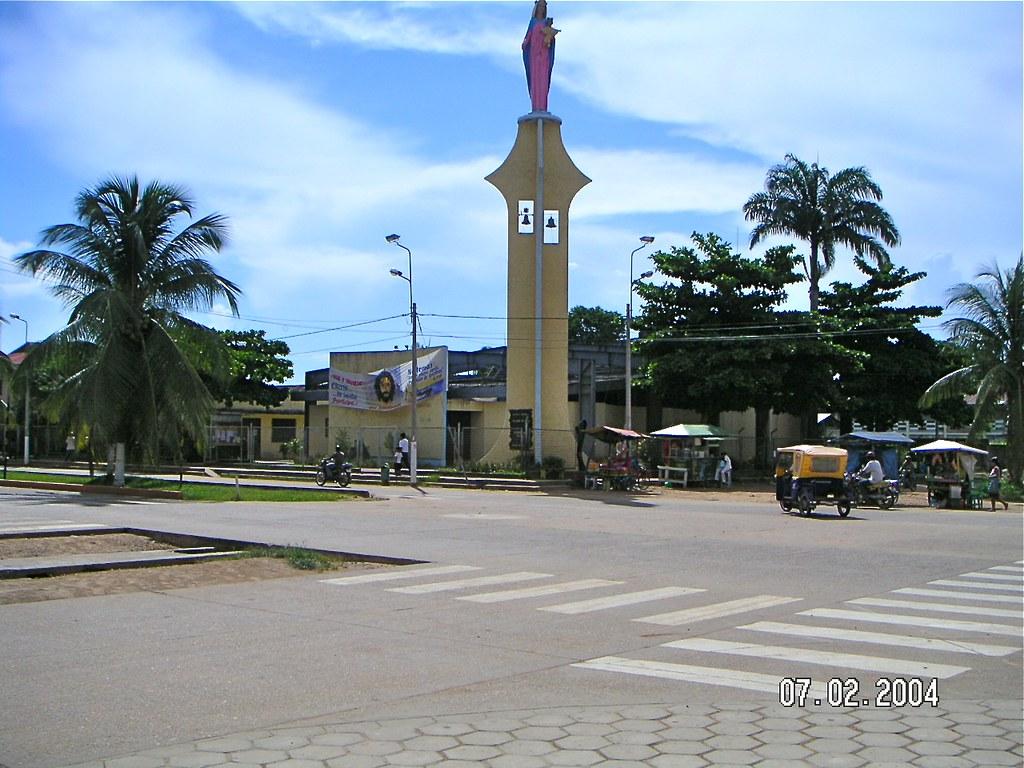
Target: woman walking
[{"x": 995, "y": 477}]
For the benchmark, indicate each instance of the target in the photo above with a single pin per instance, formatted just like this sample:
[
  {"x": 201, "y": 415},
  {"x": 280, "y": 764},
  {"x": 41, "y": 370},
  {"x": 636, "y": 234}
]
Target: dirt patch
[
  {"x": 46, "y": 546},
  {"x": 125, "y": 580}
]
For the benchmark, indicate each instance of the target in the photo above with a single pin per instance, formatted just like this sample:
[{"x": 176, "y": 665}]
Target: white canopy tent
[{"x": 966, "y": 455}]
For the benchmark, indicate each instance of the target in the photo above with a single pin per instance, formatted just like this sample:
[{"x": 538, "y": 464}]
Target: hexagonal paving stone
[
  {"x": 836, "y": 761},
  {"x": 731, "y": 757},
  {"x": 882, "y": 739},
  {"x": 227, "y": 744},
  {"x": 582, "y": 742},
  {"x": 882, "y": 726},
  {"x": 471, "y": 753},
  {"x": 678, "y": 761},
  {"x": 529, "y": 747},
  {"x": 280, "y": 742},
  {"x": 197, "y": 760},
  {"x": 688, "y": 721},
  {"x": 259, "y": 756},
  {"x": 506, "y": 724},
  {"x": 985, "y": 743},
  {"x": 574, "y": 757},
  {"x": 781, "y": 724},
  {"x": 549, "y": 719},
  {"x": 634, "y": 738},
  {"x": 886, "y": 755},
  {"x": 357, "y": 761},
  {"x": 734, "y": 728},
  {"x": 293, "y": 763},
  {"x": 831, "y": 732},
  {"x": 642, "y": 726},
  {"x": 926, "y": 721},
  {"x": 783, "y": 737},
  {"x": 940, "y": 761},
  {"x": 605, "y": 716},
  {"x": 337, "y": 739},
  {"x": 990, "y": 758},
  {"x": 825, "y": 718},
  {"x": 782, "y": 752},
  {"x": 978, "y": 729},
  {"x": 935, "y": 748},
  {"x": 679, "y": 733},
  {"x": 833, "y": 746},
  {"x": 486, "y": 738},
  {"x": 318, "y": 752},
  {"x": 628, "y": 752},
  {"x": 517, "y": 761},
  {"x": 445, "y": 729},
  {"x": 736, "y": 716},
  {"x": 588, "y": 729},
  {"x": 375, "y": 748},
  {"x": 733, "y": 742},
  {"x": 415, "y": 757},
  {"x": 543, "y": 733}
]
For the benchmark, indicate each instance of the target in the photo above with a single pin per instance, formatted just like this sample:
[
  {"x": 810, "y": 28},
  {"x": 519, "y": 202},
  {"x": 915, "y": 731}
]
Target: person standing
[
  {"x": 403, "y": 448},
  {"x": 69, "y": 448},
  {"x": 995, "y": 479}
]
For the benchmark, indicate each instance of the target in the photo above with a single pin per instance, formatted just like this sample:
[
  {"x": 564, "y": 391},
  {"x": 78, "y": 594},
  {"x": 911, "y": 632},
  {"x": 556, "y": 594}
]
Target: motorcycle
[
  {"x": 331, "y": 471},
  {"x": 883, "y": 495}
]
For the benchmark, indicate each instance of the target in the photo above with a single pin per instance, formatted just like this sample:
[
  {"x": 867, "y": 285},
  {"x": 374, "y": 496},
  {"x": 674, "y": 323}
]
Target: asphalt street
[{"x": 523, "y": 601}]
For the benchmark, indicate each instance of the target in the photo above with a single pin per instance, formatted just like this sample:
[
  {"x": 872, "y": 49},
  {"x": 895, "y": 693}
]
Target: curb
[{"x": 106, "y": 490}]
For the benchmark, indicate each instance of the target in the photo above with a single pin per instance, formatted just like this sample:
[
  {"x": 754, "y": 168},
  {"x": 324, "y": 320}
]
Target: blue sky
[{"x": 318, "y": 129}]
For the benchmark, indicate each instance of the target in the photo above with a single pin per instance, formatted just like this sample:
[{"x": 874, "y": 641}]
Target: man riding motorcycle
[{"x": 871, "y": 473}]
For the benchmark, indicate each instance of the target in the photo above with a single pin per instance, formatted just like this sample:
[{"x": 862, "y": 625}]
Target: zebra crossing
[
  {"x": 618, "y": 600},
  {"x": 927, "y": 642},
  {"x": 16, "y": 525}
]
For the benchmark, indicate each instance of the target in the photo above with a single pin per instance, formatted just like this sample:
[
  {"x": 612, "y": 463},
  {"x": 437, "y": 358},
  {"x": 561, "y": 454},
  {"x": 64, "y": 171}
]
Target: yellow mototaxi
[{"x": 808, "y": 475}]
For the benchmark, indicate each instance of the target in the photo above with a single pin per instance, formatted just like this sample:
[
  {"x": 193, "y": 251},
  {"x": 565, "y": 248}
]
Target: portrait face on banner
[{"x": 385, "y": 387}]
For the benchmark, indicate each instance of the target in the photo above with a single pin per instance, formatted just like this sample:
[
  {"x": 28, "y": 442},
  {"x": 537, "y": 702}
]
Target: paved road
[{"x": 531, "y": 605}]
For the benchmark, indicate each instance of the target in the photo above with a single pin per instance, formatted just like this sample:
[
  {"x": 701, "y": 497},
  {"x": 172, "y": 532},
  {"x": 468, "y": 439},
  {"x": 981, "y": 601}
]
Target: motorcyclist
[
  {"x": 336, "y": 460},
  {"x": 871, "y": 473}
]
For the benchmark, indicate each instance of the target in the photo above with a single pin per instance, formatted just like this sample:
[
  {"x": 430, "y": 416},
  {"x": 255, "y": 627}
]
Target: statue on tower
[{"x": 539, "y": 55}]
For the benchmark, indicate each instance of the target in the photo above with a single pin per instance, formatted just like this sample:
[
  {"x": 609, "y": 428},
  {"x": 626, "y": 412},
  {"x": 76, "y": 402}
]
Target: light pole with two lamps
[
  {"x": 19, "y": 317},
  {"x": 396, "y": 239},
  {"x": 645, "y": 240}
]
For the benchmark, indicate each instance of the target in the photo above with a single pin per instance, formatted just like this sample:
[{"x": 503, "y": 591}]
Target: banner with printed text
[{"x": 389, "y": 388}]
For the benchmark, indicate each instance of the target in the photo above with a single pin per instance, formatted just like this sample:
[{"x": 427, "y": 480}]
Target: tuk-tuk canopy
[
  {"x": 614, "y": 434},
  {"x": 691, "y": 430},
  {"x": 816, "y": 450}
]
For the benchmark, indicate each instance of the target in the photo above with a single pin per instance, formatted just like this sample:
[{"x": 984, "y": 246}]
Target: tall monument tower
[{"x": 538, "y": 181}]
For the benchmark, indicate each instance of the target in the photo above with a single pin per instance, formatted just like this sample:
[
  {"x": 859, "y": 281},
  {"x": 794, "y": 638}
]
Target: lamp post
[
  {"x": 27, "y": 387},
  {"x": 396, "y": 239},
  {"x": 645, "y": 240}
]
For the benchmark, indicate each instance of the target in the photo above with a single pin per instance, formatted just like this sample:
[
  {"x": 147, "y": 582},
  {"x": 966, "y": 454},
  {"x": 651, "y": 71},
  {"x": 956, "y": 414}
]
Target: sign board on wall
[{"x": 389, "y": 388}]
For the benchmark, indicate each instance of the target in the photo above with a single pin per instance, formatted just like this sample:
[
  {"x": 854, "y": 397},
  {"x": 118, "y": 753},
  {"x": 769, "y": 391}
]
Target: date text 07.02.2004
[{"x": 845, "y": 692}]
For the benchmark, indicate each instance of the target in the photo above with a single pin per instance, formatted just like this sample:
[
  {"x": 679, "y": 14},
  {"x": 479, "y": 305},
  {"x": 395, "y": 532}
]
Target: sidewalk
[{"x": 953, "y": 735}]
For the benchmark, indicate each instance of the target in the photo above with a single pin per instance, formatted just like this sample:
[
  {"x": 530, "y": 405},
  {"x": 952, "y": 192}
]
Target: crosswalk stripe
[
  {"x": 549, "y": 589},
  {"x": 958, "y": 595},
  {"x": 1010, "y": 568},
  {"x": 880, "y": 638},
  {"x": 977, "y": 585},
  {"x": 823, "y": 658},
  {"x": 54, "y": 527},
  {"x": 729, "y": 678},
  {"x": 399, "y": 574},
  {"x": 913, "y": 621},
  {"x": 994, "y": 576},
  {"x": 914, "y": 605},
  {"x": 479, "y": 581},
  {"x": 716, "y": 610},
  {"x": 617, "y": 601}
]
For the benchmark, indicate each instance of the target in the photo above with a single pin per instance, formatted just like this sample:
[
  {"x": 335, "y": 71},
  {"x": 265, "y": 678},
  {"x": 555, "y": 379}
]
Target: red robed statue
[{"x": 539, "y": 55}]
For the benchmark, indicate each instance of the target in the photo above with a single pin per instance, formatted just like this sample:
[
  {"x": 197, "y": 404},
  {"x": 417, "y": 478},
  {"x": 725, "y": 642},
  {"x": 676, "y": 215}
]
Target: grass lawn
[{"x": 193, "y": 491}]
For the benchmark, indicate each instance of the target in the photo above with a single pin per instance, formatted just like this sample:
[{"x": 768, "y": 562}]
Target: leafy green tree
[
  {"x": 713, "y": 338},
  {"x": 594, "y": 325},
  {"x": 256, "y": 363},
  {"x": 891, "y": 360},
  {"x": 128, "y": 274},
  {"x": 991, "y": 333},
  {"x": 825, "y": 210}
]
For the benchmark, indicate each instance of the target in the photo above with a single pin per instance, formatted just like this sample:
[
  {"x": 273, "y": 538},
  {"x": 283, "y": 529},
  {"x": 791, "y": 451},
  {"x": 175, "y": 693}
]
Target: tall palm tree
[
  {"x": 826, "y": 210},
  {"x": 992, "y": 333},
  {"x": 128, "y": 272}
]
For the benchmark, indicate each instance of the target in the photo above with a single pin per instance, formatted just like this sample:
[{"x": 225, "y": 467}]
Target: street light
[
  {"x": 645, "y": 240},
  {"x": 19, "y": 317},
  {"x": 396, "y": 239}
]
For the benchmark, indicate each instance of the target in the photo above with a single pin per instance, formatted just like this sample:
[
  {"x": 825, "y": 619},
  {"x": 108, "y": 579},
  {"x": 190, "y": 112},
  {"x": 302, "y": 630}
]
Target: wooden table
[{"x": 665, "y": 474}]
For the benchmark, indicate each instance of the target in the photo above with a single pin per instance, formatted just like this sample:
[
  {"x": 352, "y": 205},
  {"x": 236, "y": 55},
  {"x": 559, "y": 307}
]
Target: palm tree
[
  {"x": 992, "y": 333},
  {"x": 129, "y": 354},
  {"x": 826, "y": 210}
]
